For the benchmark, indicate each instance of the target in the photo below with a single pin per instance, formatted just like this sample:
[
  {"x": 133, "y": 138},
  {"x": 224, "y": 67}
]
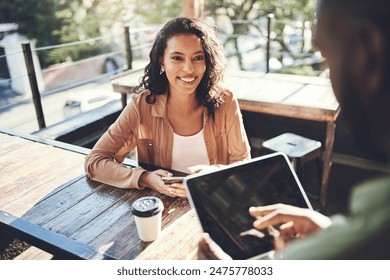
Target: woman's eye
[
  {"x": 199, "y": 57},
  {"x": 176, "y": 58}
]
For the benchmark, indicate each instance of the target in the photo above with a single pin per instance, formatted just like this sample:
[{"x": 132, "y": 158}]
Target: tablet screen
[{"x": 222, "y": 199}]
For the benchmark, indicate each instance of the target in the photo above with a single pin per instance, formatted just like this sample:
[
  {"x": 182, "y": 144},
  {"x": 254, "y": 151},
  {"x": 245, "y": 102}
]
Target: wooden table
[
  {"x": 47, "y": 200},
  {"x": 291, "y": 96}
]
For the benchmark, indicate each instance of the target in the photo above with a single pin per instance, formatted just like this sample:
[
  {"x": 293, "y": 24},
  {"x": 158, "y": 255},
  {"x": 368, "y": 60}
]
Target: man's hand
[
  {"x": 290, "y": 222},
  {"x": 209, "y": 250}
]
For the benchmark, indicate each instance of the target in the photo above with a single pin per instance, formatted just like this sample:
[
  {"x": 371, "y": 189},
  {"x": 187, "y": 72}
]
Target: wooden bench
[
  {"x": 83, "y": 129},
  {"x": 55, "y": 244}
]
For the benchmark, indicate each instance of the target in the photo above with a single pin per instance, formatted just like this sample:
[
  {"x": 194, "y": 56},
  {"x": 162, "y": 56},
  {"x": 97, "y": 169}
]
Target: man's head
[{"x": 354, "y": 38}]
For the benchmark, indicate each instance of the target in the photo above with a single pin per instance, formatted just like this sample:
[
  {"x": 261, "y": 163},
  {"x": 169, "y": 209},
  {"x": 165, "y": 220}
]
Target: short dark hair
[
  {"x": 377, "y": 11},
  {"x": 209, "y": 91}
]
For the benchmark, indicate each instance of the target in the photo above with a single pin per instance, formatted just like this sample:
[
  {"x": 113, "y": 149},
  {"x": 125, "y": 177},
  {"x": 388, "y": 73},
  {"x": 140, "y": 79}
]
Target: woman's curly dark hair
[{"x": 209, "y": 91}]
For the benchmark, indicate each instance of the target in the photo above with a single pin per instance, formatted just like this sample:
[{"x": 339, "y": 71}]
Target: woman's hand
[
  {"x": 288, "y": 221},
  {"x": 177, "y": 189},
  {"x": 203, "y": 168},
  {"x": 153, "y": 180}
]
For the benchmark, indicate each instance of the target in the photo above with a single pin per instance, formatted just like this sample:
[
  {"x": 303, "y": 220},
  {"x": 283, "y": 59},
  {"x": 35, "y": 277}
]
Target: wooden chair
[{"x": 298, "y": 149}]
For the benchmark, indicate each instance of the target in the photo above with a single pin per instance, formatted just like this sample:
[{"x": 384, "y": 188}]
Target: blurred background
[{"x": 77, "y": 45}]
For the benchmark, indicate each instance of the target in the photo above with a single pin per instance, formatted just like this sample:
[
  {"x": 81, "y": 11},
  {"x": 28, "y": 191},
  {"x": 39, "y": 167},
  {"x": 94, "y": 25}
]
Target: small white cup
[{"x": 147, "y": 212}]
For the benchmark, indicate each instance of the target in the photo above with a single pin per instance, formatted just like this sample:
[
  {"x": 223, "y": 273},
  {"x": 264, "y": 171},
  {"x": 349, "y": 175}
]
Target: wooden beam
[{"x": 193, "y": 8}]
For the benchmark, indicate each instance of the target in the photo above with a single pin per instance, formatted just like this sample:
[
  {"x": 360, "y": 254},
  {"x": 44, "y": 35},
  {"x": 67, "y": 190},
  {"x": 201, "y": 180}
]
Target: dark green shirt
[{"x": 363, "y": 234}]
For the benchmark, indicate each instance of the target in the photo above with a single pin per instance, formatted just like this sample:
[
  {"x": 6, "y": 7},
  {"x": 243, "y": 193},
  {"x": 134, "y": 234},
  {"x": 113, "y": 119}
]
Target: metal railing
[
  {"x": 268, "y": 40},
  {"x": 128, "y": 48}
]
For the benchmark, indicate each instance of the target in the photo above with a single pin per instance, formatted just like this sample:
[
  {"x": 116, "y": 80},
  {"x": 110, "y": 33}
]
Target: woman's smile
[{"x": 187, "y": 79}]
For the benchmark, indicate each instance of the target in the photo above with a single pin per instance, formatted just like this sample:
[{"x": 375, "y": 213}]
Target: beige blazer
[{"x": 146, "y": 127}]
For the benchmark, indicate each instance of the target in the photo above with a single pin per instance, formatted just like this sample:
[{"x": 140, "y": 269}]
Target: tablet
[{"x": 222, "y": 198}]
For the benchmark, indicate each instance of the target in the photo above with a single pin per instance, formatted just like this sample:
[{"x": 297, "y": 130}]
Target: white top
[{"x": 189, "y": 151}]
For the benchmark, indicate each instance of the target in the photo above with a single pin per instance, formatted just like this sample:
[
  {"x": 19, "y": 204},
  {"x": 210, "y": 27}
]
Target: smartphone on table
[{"x": 174, "y": 179}]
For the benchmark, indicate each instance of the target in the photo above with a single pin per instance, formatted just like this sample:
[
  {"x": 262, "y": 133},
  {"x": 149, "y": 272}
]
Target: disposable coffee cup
[{"x": 147, "y": 212}]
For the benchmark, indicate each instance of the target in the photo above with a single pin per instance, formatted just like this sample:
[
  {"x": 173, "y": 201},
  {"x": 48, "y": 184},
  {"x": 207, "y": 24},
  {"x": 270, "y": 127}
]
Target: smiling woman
[{"x": 181, "y": 118}]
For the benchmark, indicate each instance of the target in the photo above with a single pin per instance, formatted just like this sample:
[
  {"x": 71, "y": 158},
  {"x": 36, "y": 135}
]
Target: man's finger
[
  {"x": 272, "y": 219},
  {"x": 256, "y": 211}
]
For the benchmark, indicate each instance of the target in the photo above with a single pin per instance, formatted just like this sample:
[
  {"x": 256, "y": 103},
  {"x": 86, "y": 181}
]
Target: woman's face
[{"x": 184, "y": 63}]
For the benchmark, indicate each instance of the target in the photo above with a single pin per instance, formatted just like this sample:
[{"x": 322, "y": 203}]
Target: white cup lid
[{"x": 147, "y": 206}]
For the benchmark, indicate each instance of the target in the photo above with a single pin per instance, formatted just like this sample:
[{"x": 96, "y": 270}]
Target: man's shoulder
[{"x": 370, "y": 195}]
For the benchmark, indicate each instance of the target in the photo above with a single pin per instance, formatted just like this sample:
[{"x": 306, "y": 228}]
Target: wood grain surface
[{"x": 46, "y": 186}]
